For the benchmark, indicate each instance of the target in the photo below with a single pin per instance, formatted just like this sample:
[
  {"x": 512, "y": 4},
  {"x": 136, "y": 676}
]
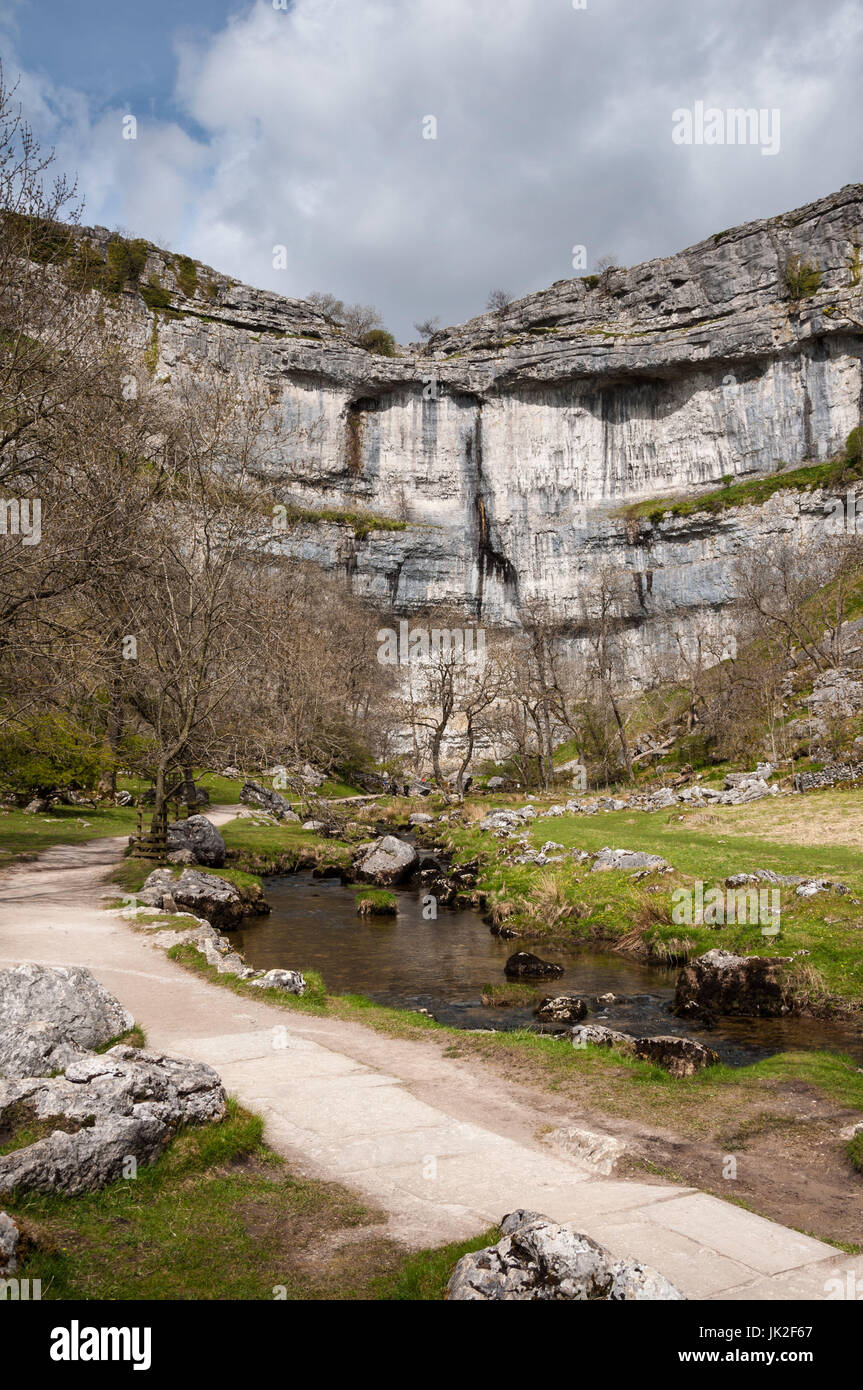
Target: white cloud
[{"x": 553, "y": 129}]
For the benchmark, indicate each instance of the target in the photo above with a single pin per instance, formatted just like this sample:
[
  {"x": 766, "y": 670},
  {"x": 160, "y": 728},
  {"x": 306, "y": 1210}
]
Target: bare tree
[
  {"x": 452, "y": 705},
  {"x": 360, "y": 319},
  {"x": 604, "y": 609},
  {"x": 498, "y": 301},
  {"x": 328, "y": 305}
]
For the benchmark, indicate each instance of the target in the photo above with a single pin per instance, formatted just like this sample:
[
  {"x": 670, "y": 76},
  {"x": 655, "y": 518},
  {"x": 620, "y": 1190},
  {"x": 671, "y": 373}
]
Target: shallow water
[{"x": 442, "y": 965}]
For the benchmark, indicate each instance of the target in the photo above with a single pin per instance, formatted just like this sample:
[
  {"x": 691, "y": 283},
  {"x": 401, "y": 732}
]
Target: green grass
[
  {"x": 27, "y": 835},
  {"x": 511, "y": 995},
  {"x": 334, "y": 789},
  {"x": 425, "y": 1275},
  {"x": 568, "y": 901},
  {"x": 702, "y": 851},
  {"x": 224, "y": 791},
  {"x": 626, "y": 1086},
  {"x": 835, "y": 473},
  {"x": 361, "y": 523},
  {"x": 372, "y": 902},
  {"x": 854, "y": 1151},
  {"x": 313, "y": 1001},
  {"x": 282, "y": 848}
]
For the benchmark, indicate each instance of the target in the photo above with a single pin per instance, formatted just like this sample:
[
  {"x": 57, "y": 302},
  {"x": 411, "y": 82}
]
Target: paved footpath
[{"x": 428, "y": 1139}]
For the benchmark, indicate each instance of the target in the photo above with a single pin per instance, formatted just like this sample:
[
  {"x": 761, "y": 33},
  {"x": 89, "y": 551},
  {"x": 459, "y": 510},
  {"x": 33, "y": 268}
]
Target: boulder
[
  {"x": 254, "y": 794},
  {"x": 752, "y": 788},
  {"x": 85, "y": 1160},
  {"x": 10, "y": 1240},
  {"x": 203, "y": 895},
  {"x": 50, "y": 1015},
  {"x": 107, "y": 1108},
  {"x": 678, "y": 1056},
  {"x": 501, "y": 820},
  {"x": 720, "y": 982},
  {"x": 289, "y": 980},
  {"x": 561, "y": 1008},
  {"x": 421, "y": 818},
  {"x": 810, "y": 886},
  {"x": 182, "y": 856},
  {"x": 627, "y": 860},
  {"x": 524, "y": 966},
  {"x": 386, "y": 861},
  {"x": 595, "y": 1035},
  {"x": 201, "y": 837},
  {"x": 313, "y": 825},
  {"x": 541, "y": 1261}
]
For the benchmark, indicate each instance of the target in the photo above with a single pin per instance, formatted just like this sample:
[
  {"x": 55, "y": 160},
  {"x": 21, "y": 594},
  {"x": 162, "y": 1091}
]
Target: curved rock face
[
  {"x": 503, "y": 447},
  {"x": 52, "y": 1015}
]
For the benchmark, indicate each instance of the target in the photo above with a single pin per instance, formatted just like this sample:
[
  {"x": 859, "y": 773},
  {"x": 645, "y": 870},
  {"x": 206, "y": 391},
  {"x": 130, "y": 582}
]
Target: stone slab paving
[{"x": 416, "y": 1133}]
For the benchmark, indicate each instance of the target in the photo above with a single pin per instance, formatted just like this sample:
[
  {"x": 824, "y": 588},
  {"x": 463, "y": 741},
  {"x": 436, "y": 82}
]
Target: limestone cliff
[{"x": 508, "y": 444}]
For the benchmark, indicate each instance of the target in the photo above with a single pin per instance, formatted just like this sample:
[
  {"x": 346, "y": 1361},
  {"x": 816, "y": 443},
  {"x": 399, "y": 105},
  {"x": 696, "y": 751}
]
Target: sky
[{"x": 416, "y": 154}]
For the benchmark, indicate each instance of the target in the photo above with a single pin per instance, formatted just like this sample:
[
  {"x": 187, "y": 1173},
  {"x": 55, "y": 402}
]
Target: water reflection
[{"x": 442, "y": 965}]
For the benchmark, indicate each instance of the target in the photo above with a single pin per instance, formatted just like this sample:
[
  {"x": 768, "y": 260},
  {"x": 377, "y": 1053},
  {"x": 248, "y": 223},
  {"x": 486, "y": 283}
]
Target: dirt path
[{"x": 422, "y": 1136}]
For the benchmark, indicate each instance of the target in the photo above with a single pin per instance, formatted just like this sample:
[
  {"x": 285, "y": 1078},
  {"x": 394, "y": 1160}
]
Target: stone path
[{"x": 424, "y": 1137}]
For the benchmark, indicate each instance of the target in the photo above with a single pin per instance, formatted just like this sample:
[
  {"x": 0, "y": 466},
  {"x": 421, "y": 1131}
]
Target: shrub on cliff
[
  {"x": 854, "y": 447},
  {"x": 380, "y": 341},
  {"x": 125, "y": 261},
  {"x": 802, "y": 278}
]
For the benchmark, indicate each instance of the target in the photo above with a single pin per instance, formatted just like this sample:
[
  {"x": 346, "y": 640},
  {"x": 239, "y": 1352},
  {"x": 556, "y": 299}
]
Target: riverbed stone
[
  {"x": 678, "y": 1056},
  {"x": 386, "y": 861},
  {"x": 523, "y": 965},
  {"x": 50, "y": 1015},
  {"x": 199, "y": 835},
  {"x": 561, "y": 1008},
  {"x": 720, "y": 982},
  {"x": 540, "y": 1261},
  {"x": 597, "y": 1035}
]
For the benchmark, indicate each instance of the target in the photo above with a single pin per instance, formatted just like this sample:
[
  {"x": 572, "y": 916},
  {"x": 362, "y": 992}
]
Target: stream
[{"x": 407, "y": 962}]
